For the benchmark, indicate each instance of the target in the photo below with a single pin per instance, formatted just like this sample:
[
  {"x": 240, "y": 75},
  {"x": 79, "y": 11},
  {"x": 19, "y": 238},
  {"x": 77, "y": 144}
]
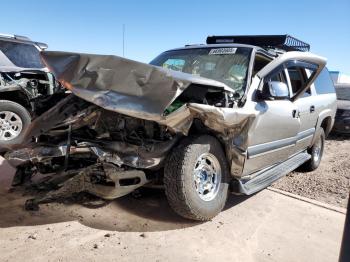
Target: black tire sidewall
[
  {"x": 179, "y": 178},
  {"x": 215, "y": 205},
  {"x": 6, "y": 105}
]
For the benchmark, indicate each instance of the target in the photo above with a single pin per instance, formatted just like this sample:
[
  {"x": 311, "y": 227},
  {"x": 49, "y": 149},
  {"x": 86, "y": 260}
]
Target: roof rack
[{"x": 284, "y": 42}]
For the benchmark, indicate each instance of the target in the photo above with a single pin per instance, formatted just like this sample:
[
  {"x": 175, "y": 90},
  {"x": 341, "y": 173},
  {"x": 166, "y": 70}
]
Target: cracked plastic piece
[{"x": 116, "y": 183}]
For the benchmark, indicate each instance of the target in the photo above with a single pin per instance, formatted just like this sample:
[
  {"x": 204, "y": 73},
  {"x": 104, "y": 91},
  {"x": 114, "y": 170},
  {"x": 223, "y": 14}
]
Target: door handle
[
  {"x": 312, "y": 109},
  {"x": 295, "y": 113}
]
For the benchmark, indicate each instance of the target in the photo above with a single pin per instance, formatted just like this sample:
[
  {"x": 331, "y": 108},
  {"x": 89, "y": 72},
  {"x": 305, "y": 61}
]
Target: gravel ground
[{"x": 330, "y": 183}]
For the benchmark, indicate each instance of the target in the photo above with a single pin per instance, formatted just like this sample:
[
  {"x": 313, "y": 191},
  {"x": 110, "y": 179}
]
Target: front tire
[
  {"x": 14, "y": 120},
  {"x": 196, "y": 178}
]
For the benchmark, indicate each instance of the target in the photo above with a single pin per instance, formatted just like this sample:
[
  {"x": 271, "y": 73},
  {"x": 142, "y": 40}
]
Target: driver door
[{"x": 274, "y": 130}]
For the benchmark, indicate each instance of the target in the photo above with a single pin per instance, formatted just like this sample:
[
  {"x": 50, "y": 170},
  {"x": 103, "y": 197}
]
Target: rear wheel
[
  {"x": 316, "y": 152},
  {"x": 195, "y": 178},
  {"x": 14, "y": 120}
]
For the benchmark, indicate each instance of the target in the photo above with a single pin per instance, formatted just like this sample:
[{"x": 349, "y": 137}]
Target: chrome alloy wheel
[
  {"x": 10, "y": 125},
  {"x": 317, "y": 150},
  {"x": 207, "y": 176}
]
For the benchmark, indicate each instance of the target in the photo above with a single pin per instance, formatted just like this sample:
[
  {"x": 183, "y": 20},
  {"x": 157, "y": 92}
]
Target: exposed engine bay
[{"x": 103, "y": 148}]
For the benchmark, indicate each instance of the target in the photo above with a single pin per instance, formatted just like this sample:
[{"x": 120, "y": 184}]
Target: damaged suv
[
  {"x": 230, "y": 116},
  {"x": 26, "y": 86}
]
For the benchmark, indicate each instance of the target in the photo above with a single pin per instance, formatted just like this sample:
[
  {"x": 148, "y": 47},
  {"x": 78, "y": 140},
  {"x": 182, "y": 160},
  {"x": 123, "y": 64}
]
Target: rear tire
[
  {"x": 14, "y": 120},
  {"x": 196, "y": 178},
  {"x": 316, "y": 152}
]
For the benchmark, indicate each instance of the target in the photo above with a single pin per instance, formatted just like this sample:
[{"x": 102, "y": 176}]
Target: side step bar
[{"x": 266, "y": 178}]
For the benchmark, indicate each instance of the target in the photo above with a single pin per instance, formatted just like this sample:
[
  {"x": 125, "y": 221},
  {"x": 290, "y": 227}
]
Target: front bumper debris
[{"x": 116, "y": 183}]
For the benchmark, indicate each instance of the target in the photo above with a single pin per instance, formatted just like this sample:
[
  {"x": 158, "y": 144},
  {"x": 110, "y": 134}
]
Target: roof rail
[
  {"x": 18, "y": 37},
  {"x": 284, "y": 42},
  {"x": 21, "y": 37},
  {"x": 7, "y": 35},
  {"x": 42, "y": 46}
]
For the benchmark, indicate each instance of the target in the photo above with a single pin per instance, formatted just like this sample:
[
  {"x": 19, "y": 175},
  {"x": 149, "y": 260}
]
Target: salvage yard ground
[
  {"x": 264, "y": 227},
  {"x": 267, "y": 226},
  {"x": 330, "y": 183}
]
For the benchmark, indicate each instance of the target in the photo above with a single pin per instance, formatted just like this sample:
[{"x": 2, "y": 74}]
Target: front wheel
[
  {"x": 14, "y": 119},
  {"x": 195, "y": 178}
]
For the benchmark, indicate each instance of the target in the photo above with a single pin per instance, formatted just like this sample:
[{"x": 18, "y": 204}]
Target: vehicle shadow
[
  {"x": 146, "y": 212},
  {"x": 127, "y": 214},
  {"x": 235, "y": 200}
]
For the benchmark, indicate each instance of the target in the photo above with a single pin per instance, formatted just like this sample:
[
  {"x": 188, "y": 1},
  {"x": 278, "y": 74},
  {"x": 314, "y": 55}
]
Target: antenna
[{"x": 123, "y": 40}]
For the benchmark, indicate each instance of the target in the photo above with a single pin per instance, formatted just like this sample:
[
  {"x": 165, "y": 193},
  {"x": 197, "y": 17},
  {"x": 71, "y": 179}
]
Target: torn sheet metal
[
  {"x": 232, "y": 126},
  {"x": 118, "y": 153},
  {"x": 122, "y": 85},
  {"x": 41, "y": 153}
]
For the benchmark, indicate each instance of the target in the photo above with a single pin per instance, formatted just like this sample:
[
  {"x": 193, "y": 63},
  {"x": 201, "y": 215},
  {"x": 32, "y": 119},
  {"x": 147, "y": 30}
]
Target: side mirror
[{"x": 278, "y": 90}]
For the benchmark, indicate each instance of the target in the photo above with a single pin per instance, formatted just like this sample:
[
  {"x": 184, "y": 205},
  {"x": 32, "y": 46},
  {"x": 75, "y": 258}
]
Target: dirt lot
[
  {"x": 257, "y": 228},
  {"x": 146, "y": 229},
  {"x": 330, "y": 183}
]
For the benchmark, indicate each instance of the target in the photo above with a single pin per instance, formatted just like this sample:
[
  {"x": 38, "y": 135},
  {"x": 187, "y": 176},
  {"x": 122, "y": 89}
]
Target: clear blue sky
[{"x": 155, "y": 26}]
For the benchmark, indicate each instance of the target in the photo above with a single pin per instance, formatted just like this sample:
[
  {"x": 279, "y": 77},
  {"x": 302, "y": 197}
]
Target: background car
[
  {"x": 26, "y": 86},
  {"x": 342, "y": 118}
]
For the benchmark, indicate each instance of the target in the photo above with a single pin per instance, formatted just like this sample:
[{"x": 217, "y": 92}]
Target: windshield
[
  {"x": 228, "y": 65},
  {"x": 21, "y": 54},
  {"x": 343, "y": 93}
]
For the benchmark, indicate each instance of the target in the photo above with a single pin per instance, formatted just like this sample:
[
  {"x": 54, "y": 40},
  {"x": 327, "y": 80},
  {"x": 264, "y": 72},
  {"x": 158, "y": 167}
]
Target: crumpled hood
[{"x": 121, "y": 85}]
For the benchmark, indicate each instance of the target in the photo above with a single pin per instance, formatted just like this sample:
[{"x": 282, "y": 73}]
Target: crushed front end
[
  {"x": 114, "y": 133},
  {"x": 93, "y": 150}
]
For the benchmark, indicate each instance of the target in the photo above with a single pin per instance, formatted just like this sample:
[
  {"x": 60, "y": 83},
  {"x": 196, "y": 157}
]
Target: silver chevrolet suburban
[{"x": 204, "y": 120}]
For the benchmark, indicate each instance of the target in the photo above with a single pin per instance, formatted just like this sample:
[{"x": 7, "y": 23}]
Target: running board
[{"x": 266, "y": 178}]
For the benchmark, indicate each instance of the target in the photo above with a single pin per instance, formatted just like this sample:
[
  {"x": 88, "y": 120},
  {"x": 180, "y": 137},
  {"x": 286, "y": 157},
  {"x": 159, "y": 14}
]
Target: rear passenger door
[{"x": 299, "y": 74}]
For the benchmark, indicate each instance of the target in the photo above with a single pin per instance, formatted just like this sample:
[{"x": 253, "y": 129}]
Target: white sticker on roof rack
[{"x": 223, "y": 51}]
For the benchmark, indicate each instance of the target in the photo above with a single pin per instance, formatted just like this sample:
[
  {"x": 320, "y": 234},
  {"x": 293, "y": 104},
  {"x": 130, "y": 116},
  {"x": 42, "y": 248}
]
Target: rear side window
[
  {"x": 324, "y": 83},
  {"x": 21, "y": 54}
]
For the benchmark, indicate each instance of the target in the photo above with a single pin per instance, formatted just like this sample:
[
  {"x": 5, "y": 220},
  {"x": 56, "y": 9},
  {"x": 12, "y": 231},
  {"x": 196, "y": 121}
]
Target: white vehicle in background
[
  {"x": 26, "y": 86},
  {"x": 342, "y": 118}
]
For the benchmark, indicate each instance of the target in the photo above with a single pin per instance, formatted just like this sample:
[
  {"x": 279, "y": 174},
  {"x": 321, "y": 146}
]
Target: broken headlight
[{"x": 173, "y": 107}]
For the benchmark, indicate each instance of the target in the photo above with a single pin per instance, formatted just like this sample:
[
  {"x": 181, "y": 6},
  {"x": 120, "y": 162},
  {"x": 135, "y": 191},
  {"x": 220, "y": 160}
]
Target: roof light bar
[{"x": 285, "y": 42}]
